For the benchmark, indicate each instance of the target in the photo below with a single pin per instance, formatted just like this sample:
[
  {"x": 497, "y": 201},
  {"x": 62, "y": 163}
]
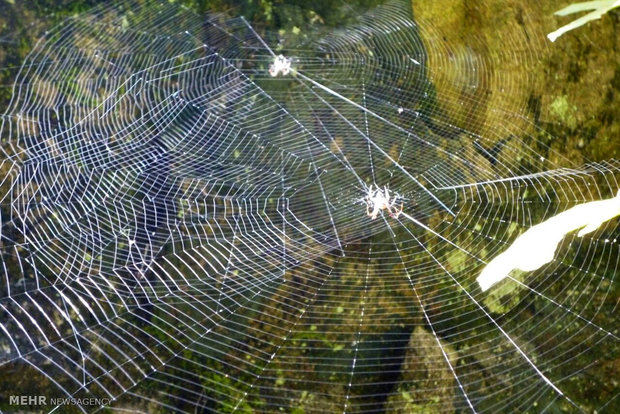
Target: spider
[
  {"x": 280, "y": 64},
  {"x": 379, "y": 199}
]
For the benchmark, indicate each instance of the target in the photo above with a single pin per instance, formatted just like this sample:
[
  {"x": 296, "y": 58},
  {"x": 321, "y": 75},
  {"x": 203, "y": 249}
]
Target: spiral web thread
[{"x": 181, "y": 230}]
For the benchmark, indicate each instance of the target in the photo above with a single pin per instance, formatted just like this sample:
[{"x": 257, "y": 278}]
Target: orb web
[{"x": 185, "y": 225}]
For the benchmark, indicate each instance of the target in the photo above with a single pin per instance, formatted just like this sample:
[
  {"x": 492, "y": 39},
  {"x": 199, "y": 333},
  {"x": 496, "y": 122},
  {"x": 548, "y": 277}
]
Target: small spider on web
[
  {"x": 281, "y": 64},
  {"x": 379, "y": 199}
]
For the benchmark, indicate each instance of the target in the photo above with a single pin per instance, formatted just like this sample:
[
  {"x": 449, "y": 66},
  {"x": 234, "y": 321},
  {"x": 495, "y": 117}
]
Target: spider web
[{"x": 183, "y": 231}]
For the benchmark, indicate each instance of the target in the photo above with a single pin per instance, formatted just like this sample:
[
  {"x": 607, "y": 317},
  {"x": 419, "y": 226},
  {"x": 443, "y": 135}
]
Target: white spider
[
  {"x": 280, "y": 64},
  {"x": 379, "y": 199}
]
